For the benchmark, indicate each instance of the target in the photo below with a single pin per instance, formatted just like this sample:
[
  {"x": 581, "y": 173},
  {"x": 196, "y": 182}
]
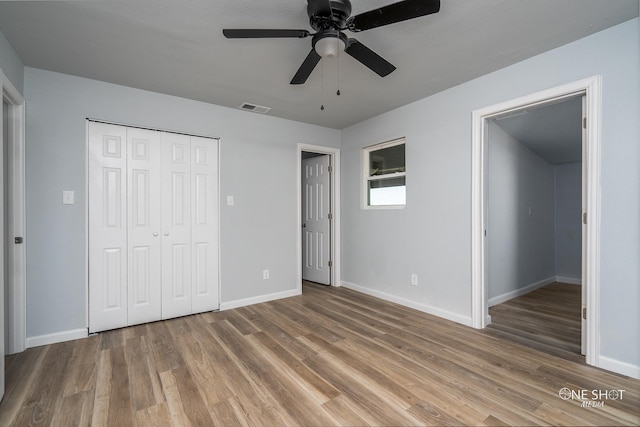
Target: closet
[{"x": 153, "y": 225}]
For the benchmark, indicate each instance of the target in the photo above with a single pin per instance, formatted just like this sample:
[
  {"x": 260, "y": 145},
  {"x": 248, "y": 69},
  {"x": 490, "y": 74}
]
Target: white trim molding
[
  {"x": 569, "y": 280},
  {"x": 58, "y": 337},
  {"x": 448, "y": 315},
  {"x": 499, "y": 299},
  {"x": 259, "y": 299},
  {"x": 17, "y": 303},
  {"x": 335, "y": 203},
  {"x": 623, "y": 368},
  {"x": 591, "y": 88}
]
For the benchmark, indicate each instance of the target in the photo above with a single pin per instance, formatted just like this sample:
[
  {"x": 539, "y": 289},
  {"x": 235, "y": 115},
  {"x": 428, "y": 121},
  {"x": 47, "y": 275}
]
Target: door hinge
[
  {"x": 330, "y": 168},
  {"x": 584, "y": 313},
  {"x": 18, "y": 240},
  {"x": 584, "y": 217},
  {"x": 330, "y": 263},
  {"x": 584, "y": 122},
  {"x": 330, "y": 216}
]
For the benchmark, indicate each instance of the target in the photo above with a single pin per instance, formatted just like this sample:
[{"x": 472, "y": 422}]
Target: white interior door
[
  {"x": 143, "y": 226},
  {"x": 204, "y": 224},
  {"x": 153, "y": 228},
  {"x": 176, "y": 225},
  {"x": 107, "y": 227},
  {"x": 316, "y": 225}
]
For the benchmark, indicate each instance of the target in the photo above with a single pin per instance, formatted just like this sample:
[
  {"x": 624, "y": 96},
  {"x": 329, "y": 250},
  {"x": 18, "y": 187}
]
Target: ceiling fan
[{"x": 329, "y": 18}]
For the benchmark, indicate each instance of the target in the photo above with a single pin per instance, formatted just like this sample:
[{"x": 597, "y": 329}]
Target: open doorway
[
  {"x": 318, "y": 215},
  {"x": 481, "y": 119},
  {"x": 534, "y": 225}
]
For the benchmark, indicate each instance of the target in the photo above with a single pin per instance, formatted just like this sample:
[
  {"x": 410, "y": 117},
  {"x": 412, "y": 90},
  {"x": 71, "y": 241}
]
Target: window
[{"x": 385, "y": 174}]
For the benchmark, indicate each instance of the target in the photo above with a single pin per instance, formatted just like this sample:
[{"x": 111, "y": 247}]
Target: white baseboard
[
  {"x": 619, "y": 367},
  {"x": 487, "y": 320},
  {"x": 519, "y": 292},
  {"x": 257, "y": 300},
  {"x": 569, "y": 280},
  {"x": 465, "y": 320},
  {"x": 57, "y": 337}
]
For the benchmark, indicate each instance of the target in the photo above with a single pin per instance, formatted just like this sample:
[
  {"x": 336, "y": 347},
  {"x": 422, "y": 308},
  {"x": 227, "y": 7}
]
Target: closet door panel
[
  {"x": 107, "y": 150},
  {"x": 204, "y": 202},
  {"x": 176, "y": 226},
  {"x": 144, "y": 225}
]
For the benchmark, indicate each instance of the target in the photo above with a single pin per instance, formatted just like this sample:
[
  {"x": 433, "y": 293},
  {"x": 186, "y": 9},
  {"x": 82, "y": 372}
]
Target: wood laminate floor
[{"x": 331, "y": 356}]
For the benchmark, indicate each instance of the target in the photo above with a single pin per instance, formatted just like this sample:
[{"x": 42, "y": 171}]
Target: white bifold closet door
[{"x": 153, "y": 224}]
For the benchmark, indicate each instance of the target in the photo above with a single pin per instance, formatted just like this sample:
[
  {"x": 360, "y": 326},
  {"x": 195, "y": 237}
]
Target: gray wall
[
  {"x": 432, "y": 235},
  {"x": 568, "y": 201},
  {"x": 520, "y": 215},
  {"x": 258, "y": 166},
  {"x": 11, "y": 64}
]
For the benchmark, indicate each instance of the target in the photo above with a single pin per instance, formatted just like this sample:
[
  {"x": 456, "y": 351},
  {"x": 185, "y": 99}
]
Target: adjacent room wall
[
  {"x": 431, "y": 237},
  {"x": 568, "y": 239},
  {"x": 258, "y": 166},
  {"x": 520, "y": 215}
]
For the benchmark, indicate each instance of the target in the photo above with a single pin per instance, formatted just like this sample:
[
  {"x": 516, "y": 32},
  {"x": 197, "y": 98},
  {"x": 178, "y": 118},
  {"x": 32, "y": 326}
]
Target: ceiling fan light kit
[
  {"x": 330, "y": 18},
  {"x": 329, "y": 43}
]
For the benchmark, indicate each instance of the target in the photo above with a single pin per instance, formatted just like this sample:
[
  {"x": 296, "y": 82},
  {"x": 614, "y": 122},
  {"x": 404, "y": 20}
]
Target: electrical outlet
[
  {"x": 265, "y": 274},
  {"x": 414, "y": 280}
]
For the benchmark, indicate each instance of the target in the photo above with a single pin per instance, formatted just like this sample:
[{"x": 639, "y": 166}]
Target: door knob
[
  {"x": 166, "y": 234},
  {"x": 155, "y": 234}
]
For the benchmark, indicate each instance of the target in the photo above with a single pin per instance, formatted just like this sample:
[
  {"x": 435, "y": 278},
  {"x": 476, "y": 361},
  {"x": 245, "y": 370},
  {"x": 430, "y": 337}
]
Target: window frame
[{"x": 366, "y": 178}]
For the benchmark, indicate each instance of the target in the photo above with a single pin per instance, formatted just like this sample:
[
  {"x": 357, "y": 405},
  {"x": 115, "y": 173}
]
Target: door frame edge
[
  {"x": 334, "y": 153},
  {"x": 17, "y": 225}
]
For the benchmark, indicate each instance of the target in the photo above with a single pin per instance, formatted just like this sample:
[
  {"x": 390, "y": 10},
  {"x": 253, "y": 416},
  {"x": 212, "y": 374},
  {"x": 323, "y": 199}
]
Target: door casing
[
  {"x": 16, "y": 221},
  {"x": 591, "y": 88},
  {"x": 335, "y": 203}
]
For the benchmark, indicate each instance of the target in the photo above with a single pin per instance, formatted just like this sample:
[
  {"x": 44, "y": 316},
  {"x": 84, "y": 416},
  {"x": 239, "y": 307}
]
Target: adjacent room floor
[
  {"x": 331, "y": 356},
  {"x": 547, "y": 319}
]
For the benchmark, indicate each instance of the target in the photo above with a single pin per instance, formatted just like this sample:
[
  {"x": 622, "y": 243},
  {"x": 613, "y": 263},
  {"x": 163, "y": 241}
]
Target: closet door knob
[
  {"x": 166, "y": 234},
  {"x": 155, "y": 234}
]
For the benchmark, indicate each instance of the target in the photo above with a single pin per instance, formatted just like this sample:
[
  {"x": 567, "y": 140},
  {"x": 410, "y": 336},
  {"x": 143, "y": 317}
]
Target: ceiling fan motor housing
[{"x": 335, "y": 19}]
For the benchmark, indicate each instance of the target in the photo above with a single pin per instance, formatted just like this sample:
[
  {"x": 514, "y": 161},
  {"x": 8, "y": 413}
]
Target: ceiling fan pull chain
[
  {"x": 338, "y": 92},
  {"x": 322, "y": 86}
]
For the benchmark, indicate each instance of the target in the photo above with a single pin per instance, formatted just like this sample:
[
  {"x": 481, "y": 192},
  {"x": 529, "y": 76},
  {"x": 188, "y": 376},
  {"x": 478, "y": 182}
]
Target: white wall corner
[
  {"x": 619, "y": 367},
  {"x": 259, "y": 299},
  {"x": 58, "y": 337},
  {"x": 454, "y": 317}
]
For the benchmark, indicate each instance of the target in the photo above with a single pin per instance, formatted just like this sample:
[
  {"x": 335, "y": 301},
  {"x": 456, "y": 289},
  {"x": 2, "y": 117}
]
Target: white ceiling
[{"x": 176, "y": 47}]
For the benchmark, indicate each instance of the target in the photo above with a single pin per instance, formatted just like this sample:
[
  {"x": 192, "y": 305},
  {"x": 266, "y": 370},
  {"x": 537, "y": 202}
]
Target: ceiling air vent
[{"x": 254, "y": 108}]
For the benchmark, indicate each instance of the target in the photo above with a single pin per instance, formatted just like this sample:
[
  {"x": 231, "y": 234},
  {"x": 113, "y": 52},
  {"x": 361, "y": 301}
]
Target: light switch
[
  {"x": 68, "y": 197},
  {"x": 230, "y": 201}
]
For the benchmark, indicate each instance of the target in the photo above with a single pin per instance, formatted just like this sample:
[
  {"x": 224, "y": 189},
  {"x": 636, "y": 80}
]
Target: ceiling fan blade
[
  {"x": 396, "y": 12},
  {"x": 369, "y": 58},
  {"x": 319, "y": 7},
  {"x": 306, "y": 68},
  {"x": 266, "y": 33}
]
